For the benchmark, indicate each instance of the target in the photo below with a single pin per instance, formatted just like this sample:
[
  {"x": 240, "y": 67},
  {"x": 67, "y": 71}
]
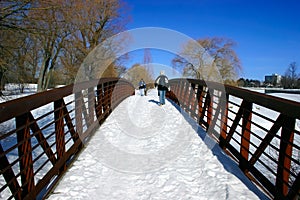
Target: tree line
[
  {"x": 46, "y": 41},
  {"x": 290, "y": 80}
]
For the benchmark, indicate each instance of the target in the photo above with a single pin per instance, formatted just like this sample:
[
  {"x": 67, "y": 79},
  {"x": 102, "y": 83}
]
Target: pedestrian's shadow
[{"x": 153, "y": 101}]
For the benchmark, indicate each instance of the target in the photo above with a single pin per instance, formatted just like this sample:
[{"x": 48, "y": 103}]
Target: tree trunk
[
  {"x": 1, "y": 83},
  {"x": 47, "y": 81},
  {"x": 42, "y": 76}
]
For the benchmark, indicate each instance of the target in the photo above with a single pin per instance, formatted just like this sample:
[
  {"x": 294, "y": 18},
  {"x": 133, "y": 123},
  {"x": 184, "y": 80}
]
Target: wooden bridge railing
[
  {"x": 41, "y": 134},
  {"x": 261, "y": 132}
]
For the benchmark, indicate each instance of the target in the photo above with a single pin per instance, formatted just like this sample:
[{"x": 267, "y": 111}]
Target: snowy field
[
  {"x": 13, "y": 91},
  {"x": 144, "y": 151},
  {"x": 293, "y": 97}
]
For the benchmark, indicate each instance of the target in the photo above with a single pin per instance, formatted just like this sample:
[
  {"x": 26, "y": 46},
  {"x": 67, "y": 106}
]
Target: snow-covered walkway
[{"x": 144, "y": 151}]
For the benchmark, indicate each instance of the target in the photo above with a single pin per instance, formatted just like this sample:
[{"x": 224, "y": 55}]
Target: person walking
[
  {"x": 142, "y": 87},
  {"x": 162, "y": 84}
]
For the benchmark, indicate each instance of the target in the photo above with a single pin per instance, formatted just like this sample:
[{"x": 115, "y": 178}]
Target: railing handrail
[
  {"x": 272, "y": 102},
  {"x": 22, "y": 105}
]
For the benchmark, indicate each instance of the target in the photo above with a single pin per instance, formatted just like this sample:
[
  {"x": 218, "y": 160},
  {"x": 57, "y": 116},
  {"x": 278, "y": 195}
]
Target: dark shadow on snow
[
  {"x": 228, "y": 163},
  {"x": 153, "y": 101}
]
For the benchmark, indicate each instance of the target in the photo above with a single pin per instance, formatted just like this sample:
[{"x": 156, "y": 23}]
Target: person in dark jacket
[
  {"x": 162, "y": 84},
  {"x": 142, "y": 87}
]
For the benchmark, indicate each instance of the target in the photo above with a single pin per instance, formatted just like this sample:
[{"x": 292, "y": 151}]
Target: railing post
[
  {"x": 186, "y": 95},
  {"x": 192, "y": 98},
  {"x": 181, "y": 93},
  {"x": 78, "y": 113},
  {"x": 224, "y": 120},
  {"x": 99, "y": 101},
  {"x": 195, "y": 99},
  {"x": 91, "y": 107},
  {"x": 285, "y": 154},
  {"x": 176, "y": 89},
  {"x": 59, "y": 130},
  {"x": 25, "y": 154},
  {"x": 111, "y": 89},
  {"x": 210, "y": 96},
  {"x": 200, "y": 102},
  {"x": 245, "y": 138},
  {"x": 105, "y": 98}
]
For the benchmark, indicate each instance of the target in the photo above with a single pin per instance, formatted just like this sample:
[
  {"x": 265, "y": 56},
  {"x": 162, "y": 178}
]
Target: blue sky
[{"x": 267, "y": 33}]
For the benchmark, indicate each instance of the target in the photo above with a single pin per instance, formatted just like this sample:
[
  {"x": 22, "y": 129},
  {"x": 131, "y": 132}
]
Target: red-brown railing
[
  {"x": 41, "y": 134},
  {"x": 261, "y": 132}
]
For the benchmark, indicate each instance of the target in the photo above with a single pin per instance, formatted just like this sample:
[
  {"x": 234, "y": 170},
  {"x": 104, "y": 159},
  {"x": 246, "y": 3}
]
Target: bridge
[{"x": 260, "y": 133}]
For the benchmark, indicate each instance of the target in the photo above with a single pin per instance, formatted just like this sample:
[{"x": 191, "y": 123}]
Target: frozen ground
[{"x": 144, "y": 151}]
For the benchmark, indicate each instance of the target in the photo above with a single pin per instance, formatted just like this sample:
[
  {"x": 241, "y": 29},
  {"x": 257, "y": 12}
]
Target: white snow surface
[{"x": 146, "y": 151}]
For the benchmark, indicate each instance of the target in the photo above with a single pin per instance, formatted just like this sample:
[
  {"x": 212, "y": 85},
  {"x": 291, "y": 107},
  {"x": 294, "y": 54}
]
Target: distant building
[{"x": 273, "y": 79}]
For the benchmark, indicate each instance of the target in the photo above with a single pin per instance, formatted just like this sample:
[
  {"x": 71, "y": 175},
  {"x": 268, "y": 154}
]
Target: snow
[
  {"x": 12, "y": 91},
  {"x": 144, "y": 151}
]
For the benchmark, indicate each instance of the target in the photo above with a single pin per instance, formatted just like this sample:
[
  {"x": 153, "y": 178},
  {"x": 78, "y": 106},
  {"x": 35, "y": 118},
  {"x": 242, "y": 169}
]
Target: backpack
[
  {"x": 141, "y": 83},
  {"x": 162, "y": 81}
]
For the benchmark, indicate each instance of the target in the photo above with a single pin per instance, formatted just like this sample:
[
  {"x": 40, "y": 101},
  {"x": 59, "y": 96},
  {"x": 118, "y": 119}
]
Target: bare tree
[
  {"x": 215, "y": 56},
  {"x": 95, "y": 21},
  {"x": 12, "y": 14},
  {"x": 50, "y": 30},
  {"x": 62, "y": 33},
  {"x": 290, "y": 79},
  {"x": 292, "y": 71},
  {"x": 138, "y": 72}
]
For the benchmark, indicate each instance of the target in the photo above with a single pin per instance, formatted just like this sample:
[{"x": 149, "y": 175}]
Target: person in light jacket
[{"x": 162, "y": 84}]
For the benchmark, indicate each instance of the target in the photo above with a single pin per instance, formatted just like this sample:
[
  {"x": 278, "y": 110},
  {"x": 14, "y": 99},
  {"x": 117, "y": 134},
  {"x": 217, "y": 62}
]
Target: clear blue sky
[{"x": 266, "y": 32}]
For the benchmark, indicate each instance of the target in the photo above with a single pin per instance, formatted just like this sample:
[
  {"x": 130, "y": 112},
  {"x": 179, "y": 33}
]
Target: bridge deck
[{"x": 144, "y": 151}]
